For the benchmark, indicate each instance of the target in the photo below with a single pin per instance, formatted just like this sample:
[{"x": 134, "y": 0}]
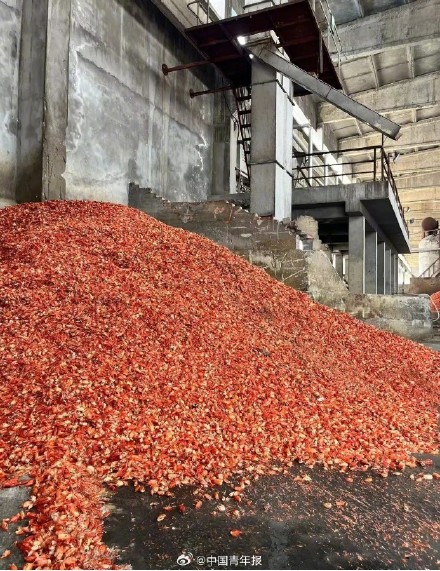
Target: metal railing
[
  {"x": 203, "y": 11},
  {"x": 433, "y": 270},
  {"x": 314, "y": 170}
]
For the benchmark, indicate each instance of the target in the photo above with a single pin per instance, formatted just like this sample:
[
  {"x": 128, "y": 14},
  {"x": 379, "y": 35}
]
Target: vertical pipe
[
  {"x": 375, "y": 159},
  {"x": 371, "y": 262},
  {"x": 310, "y": 157},
  {"x": 381, "y": 268},
  {"x": 387, "y": 270},
  {"x": 382, "y": 163},
  {"x": 321, "y": 54},
  {"x": 356, "y": 254}
]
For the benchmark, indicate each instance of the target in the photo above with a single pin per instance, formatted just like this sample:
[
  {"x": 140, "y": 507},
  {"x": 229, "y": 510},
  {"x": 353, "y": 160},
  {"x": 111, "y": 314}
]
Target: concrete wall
[
  {"x": 97, "y": 113},
  {"x": 322, "y": 276},
  {"x": 10, "y": 25},
  {"x": 128, "y": 122},
  {"x": 409, "y": 316},
  {"x": 424, "y": 285}
]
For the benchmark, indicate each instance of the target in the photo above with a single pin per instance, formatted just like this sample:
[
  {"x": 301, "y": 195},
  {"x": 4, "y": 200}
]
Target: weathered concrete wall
[
  {"x": 127, "y": 122},
  {"x": 10, "y": 26},
  {"x": 322, "y": 276},
  {"x": 308, "y": 226},
  {"x": 408, "y": 316},
  {"x": 424, "y": 285}
]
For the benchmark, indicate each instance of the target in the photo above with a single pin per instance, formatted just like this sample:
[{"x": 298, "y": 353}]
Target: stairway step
[
  {"x": 244, "y": 98},
  {"x": 244, "y": 112}
]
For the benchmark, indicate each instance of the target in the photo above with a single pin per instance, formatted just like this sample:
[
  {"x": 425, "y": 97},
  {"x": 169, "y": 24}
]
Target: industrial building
[{"x": 302, "y": 136}]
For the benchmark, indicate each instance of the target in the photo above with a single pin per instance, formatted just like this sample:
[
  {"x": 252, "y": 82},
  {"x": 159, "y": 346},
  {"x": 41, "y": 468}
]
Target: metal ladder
[{"x": 243, "y": 102}]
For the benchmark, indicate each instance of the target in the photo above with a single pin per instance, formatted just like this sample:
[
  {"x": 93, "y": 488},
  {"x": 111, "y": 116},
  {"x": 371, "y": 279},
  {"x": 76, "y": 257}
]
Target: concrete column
[
  {"x": 387, "y": 270},
  {"x": 42, "y": 100},
  {"x": 356, "y": 253},
  {"x": 221, "y": 159},
  {"x": 31, "y": 101},
  {"x": 395, "y": 273},
  {"x": 271, "y": 148},
  {"x": 339, "y": 263},
  {"x": 56, "y": 99},
  {"x": 234, "y": 156},
  {"x": 393, "y": 268},
  {"x": 371, "y": 262},
  {"x": 381, "y": 267}
]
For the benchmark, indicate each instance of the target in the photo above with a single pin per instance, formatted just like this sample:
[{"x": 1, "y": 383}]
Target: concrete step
[
  {"x": 264, "y": 242},
  {"x": 271, "y": 245}
]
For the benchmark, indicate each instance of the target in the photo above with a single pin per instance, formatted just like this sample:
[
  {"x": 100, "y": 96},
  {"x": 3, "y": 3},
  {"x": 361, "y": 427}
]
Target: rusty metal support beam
[
  {"x": 166, "y": 70},
  {"x": 378, "y": 122},
  {"x": 193, "y": 94}
]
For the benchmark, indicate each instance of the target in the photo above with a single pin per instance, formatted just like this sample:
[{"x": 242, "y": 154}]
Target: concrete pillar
[
  {"x": 393, "y": 268},
  {"x": 395, "y": 273},
  {"x": 234, "y": 156},
  {"x": 43, "y": 99},
  {"x": 271, "y": 148},
  {"x": 56, "y": 99},
  {"x": 387, "y": 270},
  {"x": 356, "y": 253},
  {"x": 339, "y": 263},
  {"x": 221, "y": 159},
  {"x": 381, "y": 267},
  {"x": 371, "y": 262},
  {"x": 31, "y": 101}
]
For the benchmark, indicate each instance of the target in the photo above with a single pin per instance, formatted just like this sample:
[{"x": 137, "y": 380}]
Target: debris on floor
[{"x": 132, "y": 351}]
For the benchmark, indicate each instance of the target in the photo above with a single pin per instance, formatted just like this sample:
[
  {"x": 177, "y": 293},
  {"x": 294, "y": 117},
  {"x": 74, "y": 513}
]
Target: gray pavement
[
  {"x": 327, "y": 522},
  {"x": 11, "y": 501}
]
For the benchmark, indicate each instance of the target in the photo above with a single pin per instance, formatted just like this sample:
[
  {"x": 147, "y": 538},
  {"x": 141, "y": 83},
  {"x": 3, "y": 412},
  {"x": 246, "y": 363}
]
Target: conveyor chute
[{"x": 378, "y": 122}]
